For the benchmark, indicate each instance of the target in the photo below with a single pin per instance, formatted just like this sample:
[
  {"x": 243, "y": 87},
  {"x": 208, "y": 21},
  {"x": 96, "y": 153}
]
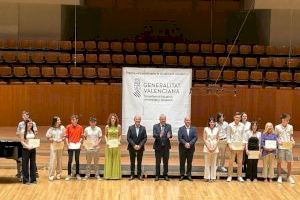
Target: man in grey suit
[
  {"x": 162, "y": 132},
  {"x": 187, "y": 136},
  {"x": 136, "y": 137}
]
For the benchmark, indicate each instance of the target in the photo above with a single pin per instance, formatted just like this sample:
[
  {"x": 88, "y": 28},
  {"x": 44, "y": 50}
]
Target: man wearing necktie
[
  {"x": 187, "y": 136},
  {"x": 136, "y": 137},
  {"x": 162, "y": 132}
]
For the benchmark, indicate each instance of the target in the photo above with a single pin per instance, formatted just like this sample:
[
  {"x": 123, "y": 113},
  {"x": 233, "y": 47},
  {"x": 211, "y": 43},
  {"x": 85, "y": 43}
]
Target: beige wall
[
  {"x": 281, "y": 29},
  {"x": 71, "y": 2},
  {"x": 276, "y": 4},
  {"x": 8, "y": 20},
  {"x": 18, "y": 20}
]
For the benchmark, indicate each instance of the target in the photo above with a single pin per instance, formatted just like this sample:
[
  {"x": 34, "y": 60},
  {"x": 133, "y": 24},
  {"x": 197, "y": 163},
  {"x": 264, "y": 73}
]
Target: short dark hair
[
  {"x": 211, "y": 119},
  {"x": 237, "y": 113},
  {"x": 285, "y": 115},
  {"x": 74, "y": 116}
]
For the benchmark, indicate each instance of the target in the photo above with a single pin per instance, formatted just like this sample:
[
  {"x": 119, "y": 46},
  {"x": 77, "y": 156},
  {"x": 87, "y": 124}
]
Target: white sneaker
[
  {"x": 223, "y": 169},
  {"x": 58, "y": 177},
  {"x": 85, "y": 178},
  {"x": 279, "y": 180},
  {"x": 51, "y": 178},
  {"x": 240, "y": 179},
  {"x": 248, "y": 180},
  {"x": 68, "y": 178},
  {"x": 78, "y": 177},
  {"x": 98, "y": 178},
  {"x": 291, "y": 180},
  {"x": 229, "y": 179}
]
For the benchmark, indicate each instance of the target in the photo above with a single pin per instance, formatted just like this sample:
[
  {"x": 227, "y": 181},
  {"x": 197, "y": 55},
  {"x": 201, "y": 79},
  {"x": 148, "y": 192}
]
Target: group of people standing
[{"x": 241, "y": 136}]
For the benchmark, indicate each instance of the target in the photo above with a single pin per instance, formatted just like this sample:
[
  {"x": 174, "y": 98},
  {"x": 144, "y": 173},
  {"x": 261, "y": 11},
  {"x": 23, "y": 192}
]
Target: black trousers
[
  {"x": 251, "y": 172},
  {"x": 245, "y": 160},
  {"x": 162, "y": 153},
  {"x": 77, "y": 154},
  {"x": 139, "y": 155},
  {"x": 186, "y": 155},
  {"x": 29, "y": 165}
]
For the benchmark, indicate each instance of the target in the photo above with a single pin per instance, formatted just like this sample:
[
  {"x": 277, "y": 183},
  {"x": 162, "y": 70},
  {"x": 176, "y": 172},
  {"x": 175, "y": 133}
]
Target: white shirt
[
  {"x": 137, "y": 129},
  {"x": 21, "y": 127},
  {"x": 29, "y": 135},
  {"x": 93, "y": 134},
  {"x": 222, "y": 129},
  {"x": 211, "y": 139},
  {"x": 250, "y": 134},
  {"x": 247, "y": 126},
  {"x": 188, "y": 131},
  {"x": 284, "y": 133},
  {"x": 235, "y": 132},
  {"x": 56, "y": 132}
]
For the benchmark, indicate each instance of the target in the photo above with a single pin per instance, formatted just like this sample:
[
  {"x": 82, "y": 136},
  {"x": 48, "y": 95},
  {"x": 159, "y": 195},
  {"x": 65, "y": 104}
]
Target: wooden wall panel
[{"x": 45, "y": 101}]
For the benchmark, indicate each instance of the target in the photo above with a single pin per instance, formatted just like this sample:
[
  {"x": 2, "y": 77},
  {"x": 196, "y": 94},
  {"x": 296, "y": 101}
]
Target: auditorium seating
[{"x": 88, "y": 62}]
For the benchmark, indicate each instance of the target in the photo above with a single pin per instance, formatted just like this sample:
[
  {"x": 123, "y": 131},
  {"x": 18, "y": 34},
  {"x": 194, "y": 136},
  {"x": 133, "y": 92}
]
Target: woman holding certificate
[
  {"x": 252, "y": 141},
  {"x": 268, "y": 146},
  {"x": 211, "y": 138},
  {"x": 56, "y": 135},
  {"x": 29, "y": 153},
  {"x": 112, "y": 165}
]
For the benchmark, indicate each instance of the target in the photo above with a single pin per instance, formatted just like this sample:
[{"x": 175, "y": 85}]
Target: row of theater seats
[
  {"x": 97, "y": 73},
  {"x": 144, "y": 47},
  {"x": 121, "y": 59}
]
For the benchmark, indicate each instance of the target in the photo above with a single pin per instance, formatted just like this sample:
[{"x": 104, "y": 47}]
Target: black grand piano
[{"x": 12, "y": 150}]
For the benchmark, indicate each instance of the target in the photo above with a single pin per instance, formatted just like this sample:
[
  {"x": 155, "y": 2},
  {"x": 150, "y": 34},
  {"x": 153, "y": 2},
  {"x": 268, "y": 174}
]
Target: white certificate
[
  {"x": 74, "y": 145},
  {"x": 286, "y": 145},
  {"x": 237, "y": 146},
  {"x": 113, "y": 143},
  {"x": 253, "y": 154},
  {"x": 34, "y": 143},
  {"x": 88, "y": 144},
  {"x": 271, "y": 144}
]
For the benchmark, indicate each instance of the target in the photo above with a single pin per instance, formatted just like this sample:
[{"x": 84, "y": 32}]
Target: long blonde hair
[{"x": 266, "y": 127}]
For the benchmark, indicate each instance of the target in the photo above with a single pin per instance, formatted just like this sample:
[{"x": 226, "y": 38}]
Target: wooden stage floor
[
  {"x": 11, "y": 189},
  {"x": 146, "y": 190}
]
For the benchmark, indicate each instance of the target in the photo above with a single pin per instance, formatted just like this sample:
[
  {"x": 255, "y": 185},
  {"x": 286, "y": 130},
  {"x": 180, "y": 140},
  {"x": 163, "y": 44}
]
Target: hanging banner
[{"x": 149, "y": 92}]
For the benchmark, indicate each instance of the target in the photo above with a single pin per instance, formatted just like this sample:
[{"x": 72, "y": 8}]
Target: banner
[{"x": 150, "y": 92}]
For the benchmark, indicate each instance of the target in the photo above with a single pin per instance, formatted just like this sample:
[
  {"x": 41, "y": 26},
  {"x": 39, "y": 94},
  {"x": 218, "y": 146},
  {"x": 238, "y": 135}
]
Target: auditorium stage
[
  {"x": 148, "y": 161},
  {"x": 148, "y": 189}
]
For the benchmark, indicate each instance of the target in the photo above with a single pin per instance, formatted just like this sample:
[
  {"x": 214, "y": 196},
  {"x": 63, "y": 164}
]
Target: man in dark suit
[
  {"x": 136, "y": 137},
  {"x": 187, "y": 136},
  {"x": 162, "y": 132}
]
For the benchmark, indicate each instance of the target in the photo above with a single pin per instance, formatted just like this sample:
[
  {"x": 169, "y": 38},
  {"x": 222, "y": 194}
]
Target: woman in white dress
[{"x": 211, "y": 138}]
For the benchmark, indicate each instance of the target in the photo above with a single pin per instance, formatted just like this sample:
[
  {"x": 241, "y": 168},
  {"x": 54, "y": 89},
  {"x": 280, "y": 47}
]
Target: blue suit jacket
[
  {"x": 164, "y": 140},
  {"x": 184, "y": 138}
]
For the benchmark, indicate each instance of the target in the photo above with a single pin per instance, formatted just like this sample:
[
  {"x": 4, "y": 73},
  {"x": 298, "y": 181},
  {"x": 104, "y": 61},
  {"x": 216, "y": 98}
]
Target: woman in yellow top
[{"x": 112, "y": 165}]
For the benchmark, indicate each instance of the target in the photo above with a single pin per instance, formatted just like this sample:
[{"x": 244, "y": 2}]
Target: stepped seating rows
[
  {"x": 90, "y": 62},
  {"x": 150, "y": 47}
]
